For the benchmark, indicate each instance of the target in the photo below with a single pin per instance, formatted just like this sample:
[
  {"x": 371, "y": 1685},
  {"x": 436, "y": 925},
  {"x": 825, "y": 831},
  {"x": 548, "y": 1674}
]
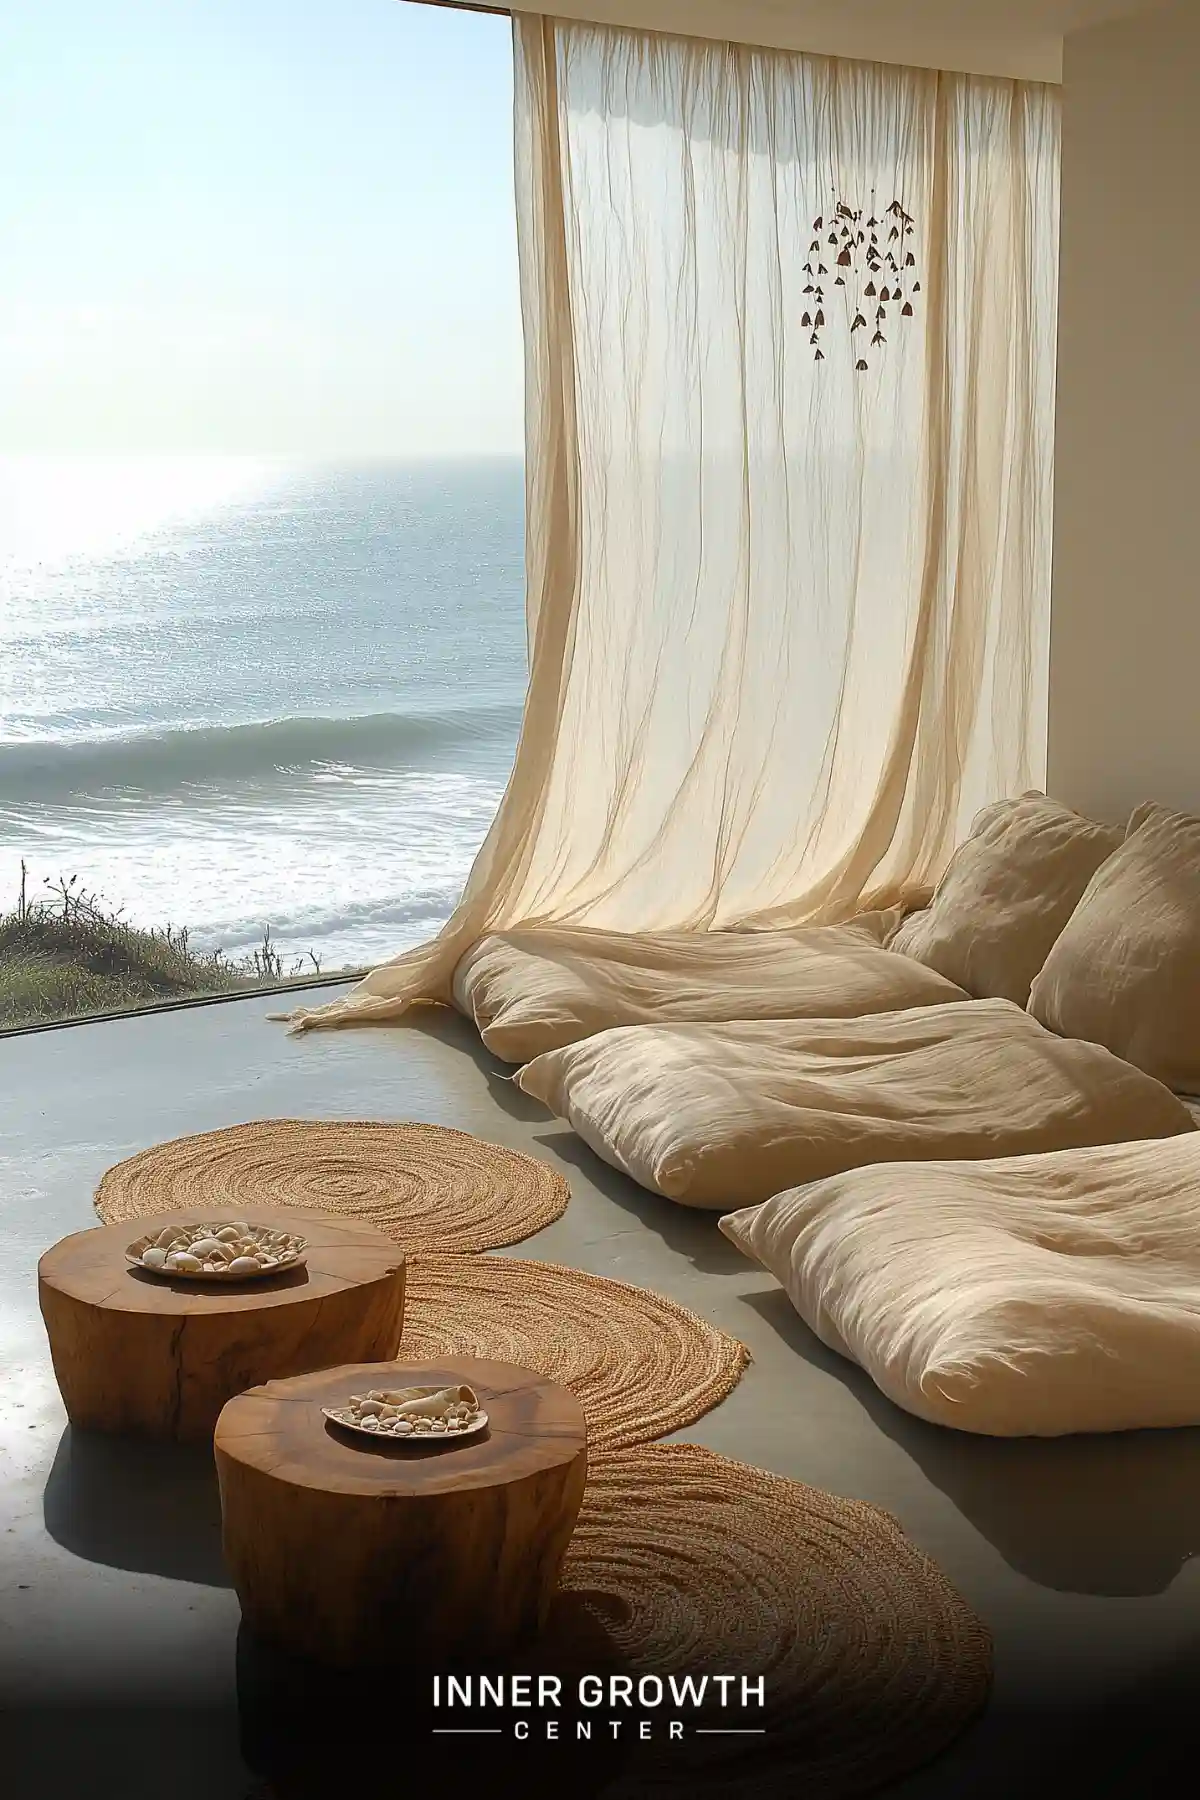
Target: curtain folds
[{"x": 788, "y": 614}]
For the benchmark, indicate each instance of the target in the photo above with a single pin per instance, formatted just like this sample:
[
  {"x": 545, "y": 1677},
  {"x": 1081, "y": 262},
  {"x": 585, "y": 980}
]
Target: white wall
[{"x": 1124, "y": 718}]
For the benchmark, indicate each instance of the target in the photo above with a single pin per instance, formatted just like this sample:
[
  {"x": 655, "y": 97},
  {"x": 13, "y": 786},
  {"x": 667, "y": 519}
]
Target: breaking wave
[{"x": 164, "y": 762}]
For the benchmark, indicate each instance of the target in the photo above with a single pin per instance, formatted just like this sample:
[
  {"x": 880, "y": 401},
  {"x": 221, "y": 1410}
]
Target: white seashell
[
  {"x": 437, "y": 1424},
  {"x": 229, "y": 1234},
  {"x": 370, "y": 1423},
  {"x": 183, "y": 1261},
  {"x": 243, "y": 1265},
  {"x": 241, "y": 1227},
  {"x": 403, "y": 1427},
  {"x": 370, "y": 1409},
  {"x": 167, "y": 1236},
  {"x": 205, "y": 1247},
  {"x": 154, "y": 1258}
]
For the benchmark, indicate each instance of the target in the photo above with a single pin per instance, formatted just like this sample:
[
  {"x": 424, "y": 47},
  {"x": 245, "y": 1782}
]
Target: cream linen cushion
[
  {"x": 719, "y": 1116},
  {"x": 1006, "y": 895},
  {"x": 535, "y": 990},
  {"x": 1027, "y": 1296},
  {"x": 1126, "y": 970}
]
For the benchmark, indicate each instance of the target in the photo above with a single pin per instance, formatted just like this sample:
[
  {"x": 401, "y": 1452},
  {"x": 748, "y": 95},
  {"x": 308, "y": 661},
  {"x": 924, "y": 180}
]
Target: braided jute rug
[
  {"x": 693, "y": 1564},
  {"x": 640, "y": 1365},
  {"x": 427, "y": 1186}
]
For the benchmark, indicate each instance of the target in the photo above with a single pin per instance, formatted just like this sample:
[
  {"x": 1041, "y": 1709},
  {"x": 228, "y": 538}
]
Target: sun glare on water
[{"x": 55, "y": 508}]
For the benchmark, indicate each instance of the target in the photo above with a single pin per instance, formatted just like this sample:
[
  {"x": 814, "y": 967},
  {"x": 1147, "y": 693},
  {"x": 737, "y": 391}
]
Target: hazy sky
[{"x": 256, "y": 225}]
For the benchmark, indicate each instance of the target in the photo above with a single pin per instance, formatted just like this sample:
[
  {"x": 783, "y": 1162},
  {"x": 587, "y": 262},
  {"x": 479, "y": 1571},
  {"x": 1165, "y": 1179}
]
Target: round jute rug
[
  {"x": 639, "y": 1365},
  {"x": 427, "y": 1186},
  {"x": 696, "y": 1565}
]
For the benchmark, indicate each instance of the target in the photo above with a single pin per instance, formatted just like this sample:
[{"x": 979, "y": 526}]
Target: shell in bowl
[
  {"x": 414, "y": 1415},
  {"x": 219, "y": 1251}
]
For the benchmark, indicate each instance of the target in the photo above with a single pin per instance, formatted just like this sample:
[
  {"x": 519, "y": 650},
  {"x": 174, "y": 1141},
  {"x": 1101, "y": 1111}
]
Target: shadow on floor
[
  {"x": 67, "y": 1751},
  {"x": 685, "y": 1229},
  {"x": 691, "y": 1232},
  {"x": 1116, "y": 1514},
  {"x": 153, "y": 1508},
  {"x": 1133, "y": 1744}
]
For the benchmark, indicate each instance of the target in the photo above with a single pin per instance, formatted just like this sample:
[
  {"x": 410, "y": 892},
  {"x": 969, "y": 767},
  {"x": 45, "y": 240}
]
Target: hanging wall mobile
[{"x": 873, "y": 263}]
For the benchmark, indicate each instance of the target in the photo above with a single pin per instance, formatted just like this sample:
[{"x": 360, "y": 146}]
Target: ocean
[{"x": 244, "y": 693}]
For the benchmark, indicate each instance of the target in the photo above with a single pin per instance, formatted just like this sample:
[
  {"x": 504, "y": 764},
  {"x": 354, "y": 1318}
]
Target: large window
[{"x": 260, "y": 489}]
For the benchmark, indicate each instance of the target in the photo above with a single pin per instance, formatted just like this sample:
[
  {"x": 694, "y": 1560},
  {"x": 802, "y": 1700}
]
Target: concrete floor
[{"x": 118, "y": 1628}]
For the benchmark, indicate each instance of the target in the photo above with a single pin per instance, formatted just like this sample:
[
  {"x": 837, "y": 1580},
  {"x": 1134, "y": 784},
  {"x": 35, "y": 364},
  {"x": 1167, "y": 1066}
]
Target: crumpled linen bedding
[
  {"x": 535, "y": 990},
  {"x": 1026, "y": 1296},
  {"x": 724, "y": 1115}
]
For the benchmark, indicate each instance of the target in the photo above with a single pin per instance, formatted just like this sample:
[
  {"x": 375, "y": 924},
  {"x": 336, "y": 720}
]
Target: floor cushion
[
  {"x": 1023, "y": 1296},
  {"x": 1006, "y": 894},
  {"x": 533, "y": 991},
  {"x": 1126, "y": 970},
  {"x": 720, "y": 1116}
]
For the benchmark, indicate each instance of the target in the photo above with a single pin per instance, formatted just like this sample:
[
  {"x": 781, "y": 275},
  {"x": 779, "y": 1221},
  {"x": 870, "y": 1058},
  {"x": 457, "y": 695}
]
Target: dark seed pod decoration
[{"x": 862, "y": 235}]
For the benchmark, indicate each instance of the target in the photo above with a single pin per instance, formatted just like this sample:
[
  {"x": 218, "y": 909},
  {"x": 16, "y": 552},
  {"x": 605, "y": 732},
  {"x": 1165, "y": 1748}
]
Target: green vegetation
[{"x": 70, "y": 953}]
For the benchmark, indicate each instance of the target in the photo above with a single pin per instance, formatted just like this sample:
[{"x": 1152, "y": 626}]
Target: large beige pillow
[
  {"x": 1021, "y": 1296},
  {"x": 1125, "y": 971},
  {"x": 1006, "y": 895},
  {"x": 534, "y": 990},
  {"x": 725, "y": 1115}
]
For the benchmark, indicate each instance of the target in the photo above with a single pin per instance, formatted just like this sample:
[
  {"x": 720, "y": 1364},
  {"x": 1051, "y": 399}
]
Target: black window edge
[{"x": 297, "y": 985}]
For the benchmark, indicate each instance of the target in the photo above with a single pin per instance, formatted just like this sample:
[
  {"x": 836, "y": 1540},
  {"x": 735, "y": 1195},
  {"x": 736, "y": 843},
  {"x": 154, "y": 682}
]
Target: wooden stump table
[
  {"x": 135, "y": 1352},
  {"x": 355, "y": 1551}
]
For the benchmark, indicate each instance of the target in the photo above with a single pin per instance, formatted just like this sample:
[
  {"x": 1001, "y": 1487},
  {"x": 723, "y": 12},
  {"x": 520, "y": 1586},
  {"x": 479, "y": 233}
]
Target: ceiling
[{"x": 995, "y": 37}]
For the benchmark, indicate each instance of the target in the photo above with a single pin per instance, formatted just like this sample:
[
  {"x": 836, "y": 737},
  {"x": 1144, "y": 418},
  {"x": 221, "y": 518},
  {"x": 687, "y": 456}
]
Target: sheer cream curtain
[{"x": 787, "y": 616}]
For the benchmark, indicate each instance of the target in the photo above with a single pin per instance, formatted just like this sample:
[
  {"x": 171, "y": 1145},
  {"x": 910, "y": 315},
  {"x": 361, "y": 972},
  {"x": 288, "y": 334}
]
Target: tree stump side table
[
  {"x": 354, "y": 1552},
  {"x": 134, "y": 1352}
]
